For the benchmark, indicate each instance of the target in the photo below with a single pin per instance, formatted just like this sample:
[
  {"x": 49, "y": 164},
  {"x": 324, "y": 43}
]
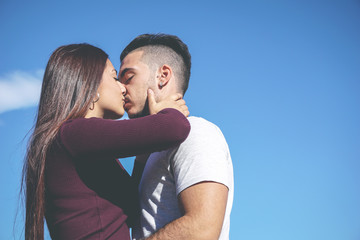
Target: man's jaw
[{"x": 142, "y": 113}]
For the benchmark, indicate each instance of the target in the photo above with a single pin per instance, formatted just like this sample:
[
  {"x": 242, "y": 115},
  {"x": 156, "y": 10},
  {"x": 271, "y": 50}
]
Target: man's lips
[{"x": 126, "y": 103}]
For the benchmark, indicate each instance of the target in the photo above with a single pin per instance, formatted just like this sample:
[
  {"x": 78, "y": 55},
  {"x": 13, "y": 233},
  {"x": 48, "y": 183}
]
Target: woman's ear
[{"x": 164, "y": 75}]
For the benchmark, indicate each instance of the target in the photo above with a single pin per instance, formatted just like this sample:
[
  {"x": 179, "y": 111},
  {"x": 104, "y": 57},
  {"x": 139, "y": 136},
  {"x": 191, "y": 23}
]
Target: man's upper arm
[
  {"x": 203, "y": 175},
  {"x": 204, "y": 156},
  {"x": 205, "y": 204},
  {"x": 202, "y": 171}
]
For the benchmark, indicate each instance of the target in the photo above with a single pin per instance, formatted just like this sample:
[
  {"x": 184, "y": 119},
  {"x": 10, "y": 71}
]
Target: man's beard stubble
[{"x": 144, "y": 112}]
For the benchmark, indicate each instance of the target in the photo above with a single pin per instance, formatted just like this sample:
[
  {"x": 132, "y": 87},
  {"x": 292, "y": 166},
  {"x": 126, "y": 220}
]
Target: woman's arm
[{"x": 123, "y": 138}]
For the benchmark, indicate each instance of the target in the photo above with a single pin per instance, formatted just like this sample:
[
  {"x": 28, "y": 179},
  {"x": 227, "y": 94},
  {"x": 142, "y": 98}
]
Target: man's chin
[{"x": 137, "y": 114}]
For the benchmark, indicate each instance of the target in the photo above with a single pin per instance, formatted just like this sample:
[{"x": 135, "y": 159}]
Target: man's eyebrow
[{"x": 125, "y": 71}]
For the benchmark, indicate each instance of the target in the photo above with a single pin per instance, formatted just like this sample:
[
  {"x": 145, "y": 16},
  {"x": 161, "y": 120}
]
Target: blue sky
[{"x": 280, "y": 78}]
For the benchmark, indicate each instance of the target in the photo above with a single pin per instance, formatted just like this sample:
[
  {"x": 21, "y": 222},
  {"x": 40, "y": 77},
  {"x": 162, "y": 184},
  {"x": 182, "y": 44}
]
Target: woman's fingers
[
  {"x": 176, "y": 96},
  {"x": 173, "y": 101},
  {"x": 181, "y": 102},
  {"x": 152, "y": 102},
  {"x": 184, "y": 109}
]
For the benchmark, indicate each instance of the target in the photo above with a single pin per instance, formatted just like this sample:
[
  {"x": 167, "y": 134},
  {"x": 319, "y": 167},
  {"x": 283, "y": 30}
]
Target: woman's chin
[{"x": 114, "y": 115}]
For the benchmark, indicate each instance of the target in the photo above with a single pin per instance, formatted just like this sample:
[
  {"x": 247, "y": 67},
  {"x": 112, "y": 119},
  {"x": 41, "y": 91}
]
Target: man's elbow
[
  {"x": 207, "y": 230},
  {"x": 209, "y": 234}
]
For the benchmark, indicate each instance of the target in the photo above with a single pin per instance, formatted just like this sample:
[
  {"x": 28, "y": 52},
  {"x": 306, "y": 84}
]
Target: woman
[{"x": 71, "y": 173}]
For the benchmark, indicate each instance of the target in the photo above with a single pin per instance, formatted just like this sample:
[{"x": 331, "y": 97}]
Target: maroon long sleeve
[{"x": 89, "y": 195}]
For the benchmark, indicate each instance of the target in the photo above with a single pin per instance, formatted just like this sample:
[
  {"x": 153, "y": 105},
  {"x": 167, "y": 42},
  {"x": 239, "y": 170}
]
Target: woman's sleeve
[{"x": 94, "y": 137}]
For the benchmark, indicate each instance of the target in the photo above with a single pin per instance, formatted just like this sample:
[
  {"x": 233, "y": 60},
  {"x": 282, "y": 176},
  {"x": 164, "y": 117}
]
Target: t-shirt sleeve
[
  {"x": 203, "y": 156},
  {"x": 123, "y": 138}
]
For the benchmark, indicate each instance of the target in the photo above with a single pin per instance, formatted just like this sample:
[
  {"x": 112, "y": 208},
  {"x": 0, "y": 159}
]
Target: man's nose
[{"x": 123, "y": 89}]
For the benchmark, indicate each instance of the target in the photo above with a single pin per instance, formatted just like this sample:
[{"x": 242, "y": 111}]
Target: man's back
[{"x": 203, "y": 157}]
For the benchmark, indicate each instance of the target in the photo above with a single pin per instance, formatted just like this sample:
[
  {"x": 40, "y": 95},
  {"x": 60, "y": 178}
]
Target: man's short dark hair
[{"x": 162, "y": 49}]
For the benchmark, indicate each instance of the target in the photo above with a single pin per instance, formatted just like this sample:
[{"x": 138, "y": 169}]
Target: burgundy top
[{"x": 89, "y": 195}]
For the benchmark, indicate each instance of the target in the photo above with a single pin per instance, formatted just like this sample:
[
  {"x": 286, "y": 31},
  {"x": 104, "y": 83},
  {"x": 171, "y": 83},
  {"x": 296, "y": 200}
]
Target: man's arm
[{"x": 203, "y": 206}]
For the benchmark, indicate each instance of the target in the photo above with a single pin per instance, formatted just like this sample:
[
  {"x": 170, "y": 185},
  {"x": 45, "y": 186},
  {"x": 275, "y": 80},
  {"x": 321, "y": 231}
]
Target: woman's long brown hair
[{"x": 70, "y": 83}]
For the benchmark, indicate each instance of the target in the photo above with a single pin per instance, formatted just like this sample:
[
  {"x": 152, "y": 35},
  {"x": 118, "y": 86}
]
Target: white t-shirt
[{"x": 203, "y": 156}]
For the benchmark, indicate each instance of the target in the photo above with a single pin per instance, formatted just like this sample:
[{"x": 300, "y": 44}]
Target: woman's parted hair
[{"x": 70, "y": 83}]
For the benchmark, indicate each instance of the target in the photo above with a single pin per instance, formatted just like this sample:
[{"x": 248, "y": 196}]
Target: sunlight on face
[
  {"x": 110, "y": 103},
  {"x": 136, "y": 76}
]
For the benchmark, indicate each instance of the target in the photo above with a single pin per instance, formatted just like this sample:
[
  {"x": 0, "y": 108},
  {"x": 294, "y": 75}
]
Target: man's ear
[{"x": 164, "y": 75}]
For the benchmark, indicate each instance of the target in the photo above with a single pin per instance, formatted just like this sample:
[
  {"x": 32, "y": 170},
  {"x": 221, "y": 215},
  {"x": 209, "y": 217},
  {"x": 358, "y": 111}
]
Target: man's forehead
[
  {"x": 131, "y": 60},
  {"x": 133, "y": 56}
]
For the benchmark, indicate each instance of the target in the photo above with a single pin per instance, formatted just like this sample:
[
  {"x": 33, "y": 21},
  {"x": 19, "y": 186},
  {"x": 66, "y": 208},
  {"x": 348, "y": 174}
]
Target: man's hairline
[{"x": 143, "y": 49}]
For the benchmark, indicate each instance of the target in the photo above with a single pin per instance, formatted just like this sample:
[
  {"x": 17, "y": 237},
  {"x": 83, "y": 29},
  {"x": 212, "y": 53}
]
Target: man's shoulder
[
  {"x": 201, "y": 124},
  {"x": 203, "y": 130},
  {"x": 203, "y": 156}
]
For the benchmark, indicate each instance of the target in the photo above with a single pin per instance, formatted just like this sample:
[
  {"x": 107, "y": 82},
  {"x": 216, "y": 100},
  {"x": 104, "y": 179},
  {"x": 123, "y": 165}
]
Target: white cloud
[{"x": 20, "y": 89}]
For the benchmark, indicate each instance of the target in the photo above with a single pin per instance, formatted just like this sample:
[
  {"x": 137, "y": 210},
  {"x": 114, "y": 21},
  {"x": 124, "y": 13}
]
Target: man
[{"x": 185, "y": 192}]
